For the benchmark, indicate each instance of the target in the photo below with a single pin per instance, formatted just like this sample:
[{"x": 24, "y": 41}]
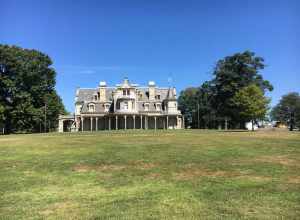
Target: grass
[{"x": 186, "y": 174}]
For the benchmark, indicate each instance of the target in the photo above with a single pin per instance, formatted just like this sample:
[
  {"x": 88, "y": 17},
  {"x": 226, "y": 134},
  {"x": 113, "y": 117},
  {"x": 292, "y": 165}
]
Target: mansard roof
[
  {"x": 87, "y": 94},
  {"x": 98, "y": 107}
]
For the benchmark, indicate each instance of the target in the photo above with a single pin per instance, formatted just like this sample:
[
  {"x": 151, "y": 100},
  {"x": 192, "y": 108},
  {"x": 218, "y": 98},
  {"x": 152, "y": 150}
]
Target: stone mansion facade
[{"x": 125, "y": 106}]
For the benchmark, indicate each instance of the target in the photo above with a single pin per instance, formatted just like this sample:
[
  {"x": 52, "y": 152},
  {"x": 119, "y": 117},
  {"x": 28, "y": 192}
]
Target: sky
[{"x": 174, "y": 43}]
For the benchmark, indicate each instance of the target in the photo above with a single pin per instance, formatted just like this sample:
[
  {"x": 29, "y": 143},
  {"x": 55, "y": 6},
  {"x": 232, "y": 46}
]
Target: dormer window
[
  {"x": 91, "y": 107},
  {"x": 106, "y": 107},
  {"x": 126, "y": 92},
  {"x": 146, "y": 106},
  {"x": 158, "y": 106}
]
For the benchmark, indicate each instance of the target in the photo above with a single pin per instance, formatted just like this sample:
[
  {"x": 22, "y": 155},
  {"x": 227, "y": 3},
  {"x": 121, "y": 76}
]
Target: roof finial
[
  {"x": 170, "y": 79},
  {"x": 126, "y": 81}
]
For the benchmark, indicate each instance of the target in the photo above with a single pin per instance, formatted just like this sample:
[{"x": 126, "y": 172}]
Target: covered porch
[{"x": 128, "y": 121}]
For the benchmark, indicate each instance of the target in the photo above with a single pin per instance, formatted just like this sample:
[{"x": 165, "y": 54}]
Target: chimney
[
  {"x": 151, "y": 85},
  {"x": 102, "y": 91}
]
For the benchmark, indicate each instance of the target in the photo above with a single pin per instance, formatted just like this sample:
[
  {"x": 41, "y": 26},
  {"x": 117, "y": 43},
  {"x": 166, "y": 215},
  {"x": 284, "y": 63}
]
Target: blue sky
[{"x": 90, "y": 41}]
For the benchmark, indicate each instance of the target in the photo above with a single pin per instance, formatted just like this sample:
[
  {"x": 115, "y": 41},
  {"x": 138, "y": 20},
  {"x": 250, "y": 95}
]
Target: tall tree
[
  {"x": 214, "y": 97},
  {"x": 288, "y": 110},
  {"x": 252, "y": 103},
  {"x": 206, "y": 112},
  {"x": 187, "y": 103},
  {"x": 232, "y": 74},
  {"x": 1, "y": 116},
  {"x": 26, "y": 78},
  {"x": 196, "y": 105}
]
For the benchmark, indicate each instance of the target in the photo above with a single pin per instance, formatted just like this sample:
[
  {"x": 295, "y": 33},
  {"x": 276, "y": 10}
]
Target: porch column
[
  {"x": 96, "y": 123},
  {"x": 177, "y": 121},
  {"x": 155, "y": 122},
  {"x": 109, "y": 123},
  {"x": 81, "y": 123},
  {"x": 61, "y": 125},
  {"x": 141, "y": 122},
  {"x": 167, "y": 122},
  {"x": 125, "y": 117},
  {"x": 146, "y": 122},
  {"x": 91, "y": 119},
  {"x": 116, "y": 122},
  {"x": 78, "y": 124},
  {"x": 183, "y": 125},
  {"x": 133, "y": 121}
]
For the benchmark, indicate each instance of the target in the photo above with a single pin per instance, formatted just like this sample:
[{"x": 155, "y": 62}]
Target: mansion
[{"x": 125, "y": 106}]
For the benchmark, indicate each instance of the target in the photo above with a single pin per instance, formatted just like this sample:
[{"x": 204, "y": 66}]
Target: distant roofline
[{"x": 114, "y": 87}]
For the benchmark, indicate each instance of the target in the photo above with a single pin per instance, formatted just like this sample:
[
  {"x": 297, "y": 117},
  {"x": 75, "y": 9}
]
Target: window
[
  {"x": 158, "y": 106},
  {"x": 157, "y": 97},
  {"x": 126, "y": 92},
  {"x": 106, "y": 107},
  {"x": 95, "y": 97},
  {"x": 91, "y": 107},
  {"x": 146, "y": 106},
  {"x": 125, "y": 106}
]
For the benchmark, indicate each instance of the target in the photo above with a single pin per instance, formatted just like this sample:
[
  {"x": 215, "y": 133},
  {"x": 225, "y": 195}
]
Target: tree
[
  {"x": 206, "y": 112},
  {"x": 252, "y": 103},
  {"x": 195, "y": 104},
  {"x": 1, "y": 117},
  {"x": 26, "y": 78},
  {"x": 232, "y": 74},
  {"x": 214, "y": 97},
  {"x": 187, "y": 104},
  {"x": 288, "y": 110}
]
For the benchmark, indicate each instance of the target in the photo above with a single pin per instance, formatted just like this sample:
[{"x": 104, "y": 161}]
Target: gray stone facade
[{"x": 125, "y": 106}]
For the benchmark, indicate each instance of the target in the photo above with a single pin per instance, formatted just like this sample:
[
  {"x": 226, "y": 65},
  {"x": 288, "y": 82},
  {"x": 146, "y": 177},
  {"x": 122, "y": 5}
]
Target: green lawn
[{"x": 151, "y": 175}]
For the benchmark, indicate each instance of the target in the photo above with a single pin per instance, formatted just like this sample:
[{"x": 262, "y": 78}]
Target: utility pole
[
  {"x": 45, "y": 119},
  {"x": 226, "y": 123},
  {"x": 198, "y": 108}
]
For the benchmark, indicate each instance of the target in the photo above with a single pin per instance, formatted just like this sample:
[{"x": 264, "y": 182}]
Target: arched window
[
  {"x": 158, "y": 106},
  {"x": 126, "y": 92},
  {"x": 106, "y": 107},
  {"x": 146, "y": 106},
  {"x": 91, "y": 107},
  {"x": 125, "y": 105}
]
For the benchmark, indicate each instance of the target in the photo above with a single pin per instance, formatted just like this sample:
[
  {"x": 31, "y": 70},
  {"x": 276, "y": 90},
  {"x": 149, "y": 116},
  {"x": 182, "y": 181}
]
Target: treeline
[
  {"x": 287, "y": 110},
  {"x": 28, "y": 99},
  {"x": 235, "y": 95}
]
